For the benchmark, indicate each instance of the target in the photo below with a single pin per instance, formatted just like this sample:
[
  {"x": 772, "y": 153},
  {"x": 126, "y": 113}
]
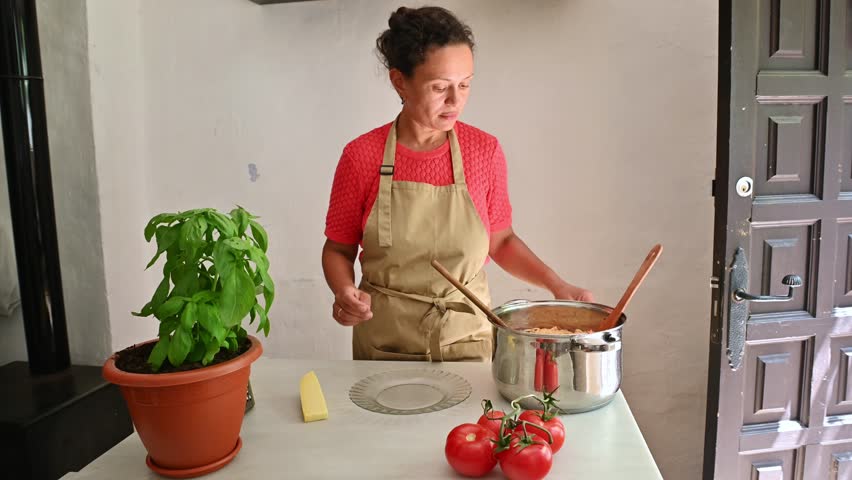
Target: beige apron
[{"x": 417, "y": 313}]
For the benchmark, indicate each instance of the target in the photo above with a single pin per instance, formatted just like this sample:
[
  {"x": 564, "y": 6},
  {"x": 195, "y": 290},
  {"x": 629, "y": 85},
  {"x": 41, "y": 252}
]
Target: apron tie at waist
[{"x": 441, "y": 304}]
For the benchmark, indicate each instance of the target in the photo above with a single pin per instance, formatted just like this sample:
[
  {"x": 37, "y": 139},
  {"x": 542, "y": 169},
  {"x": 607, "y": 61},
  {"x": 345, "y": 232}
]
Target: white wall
[
  {"x": 606, "y": 111},
  {"x": 118, "y": 106}
]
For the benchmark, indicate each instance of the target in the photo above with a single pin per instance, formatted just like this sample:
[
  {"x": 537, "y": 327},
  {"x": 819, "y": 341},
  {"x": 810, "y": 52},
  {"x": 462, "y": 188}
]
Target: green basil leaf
[
  {"x": 204, "y": 296},
  {"x": 168, "y": 326},
  {"x": 224, "y": 259},
  {"x": 185, "y": 279},
  {"x": 212, "y": 347},
  {"x": 191, "y": 238},
  {"x": 151, "y": 227},
  {"x": 160, "y": 294},
  {"x": 241, "y": 219},
  {"x": 259, "y": 234},
  {"x": 197, "y": 352},
  {"x": 205, "y": 283},
  {"x": 237, "y": 244},
  {"x": 237, "y": 297},
  {"x": 201, "y": 225},
  {"x": 222, "y": 223},
  {"x": 159, "y": 353},
  {"x": 166, "y": 237},
  {"x": 259, "y": 258},
  {"x": 169, "y": 308},
  {"x": 264, "y": 319},
  {"x": 203, "y": 335},
  {"x": 154, "y": 259},
  {"x": 189, "y": 316},
  {"x": 180, "y": 346},
  {"x": 208, "y": 317},
  {"x": 268, "y": 298},
  {"x": 146, "y": 311},
  {"x": 172, "y": 260}
]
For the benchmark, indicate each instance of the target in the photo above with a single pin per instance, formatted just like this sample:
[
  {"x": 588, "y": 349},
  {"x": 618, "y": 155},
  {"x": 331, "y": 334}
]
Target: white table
[{"x": 356, "y": 443}]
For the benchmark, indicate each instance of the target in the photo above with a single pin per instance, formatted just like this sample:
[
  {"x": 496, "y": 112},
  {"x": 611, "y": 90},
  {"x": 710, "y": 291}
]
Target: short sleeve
[
  {"x": 346, "y": 205},
  {"x": 499, "y": 207}
]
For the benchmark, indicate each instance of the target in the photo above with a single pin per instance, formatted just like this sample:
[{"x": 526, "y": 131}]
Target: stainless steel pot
[{"x": 586, "y": 368}]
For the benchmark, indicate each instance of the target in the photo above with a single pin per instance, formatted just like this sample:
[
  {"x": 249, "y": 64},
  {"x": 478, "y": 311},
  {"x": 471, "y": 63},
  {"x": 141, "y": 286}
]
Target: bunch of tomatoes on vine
[{"x": 521, "y": 442}]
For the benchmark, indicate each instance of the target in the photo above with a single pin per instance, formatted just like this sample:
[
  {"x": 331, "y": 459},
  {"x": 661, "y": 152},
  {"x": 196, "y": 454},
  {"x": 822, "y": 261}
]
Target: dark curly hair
[{"x": 414, "y": 31}]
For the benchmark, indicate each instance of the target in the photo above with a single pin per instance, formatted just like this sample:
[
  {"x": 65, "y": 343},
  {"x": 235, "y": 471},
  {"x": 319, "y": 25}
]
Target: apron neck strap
[
  {"x": 390, "y": 152},
  {"x": 389, "y": 158},
  {"x": 455, "y": 152},
  {"x": 383, "y": 199}
]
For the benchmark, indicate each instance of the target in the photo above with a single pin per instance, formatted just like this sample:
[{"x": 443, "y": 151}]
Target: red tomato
[
  {"x": 553, "y": 425},
  {"x": 529, "y": 459},
  {"x": 470, "y": 451},
  {"x": 492, "y": 420},
  {"x": 516, "y": 436}
]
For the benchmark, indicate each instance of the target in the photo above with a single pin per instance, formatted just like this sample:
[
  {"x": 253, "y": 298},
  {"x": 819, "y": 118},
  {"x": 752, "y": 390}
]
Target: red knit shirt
[{"x": 356, "y": 181}]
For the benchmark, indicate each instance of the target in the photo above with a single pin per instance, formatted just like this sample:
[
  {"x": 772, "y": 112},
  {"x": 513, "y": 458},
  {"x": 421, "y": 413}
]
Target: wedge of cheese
[{"x": 313, "y": 401}]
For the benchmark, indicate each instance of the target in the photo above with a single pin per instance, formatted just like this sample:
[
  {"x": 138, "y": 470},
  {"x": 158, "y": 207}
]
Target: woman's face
[{"x": 435, "y": 95}]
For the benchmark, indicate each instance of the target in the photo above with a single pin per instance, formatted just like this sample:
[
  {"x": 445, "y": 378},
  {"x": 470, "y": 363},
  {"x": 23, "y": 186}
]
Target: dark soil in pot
[{"x": 135, "y": 359}]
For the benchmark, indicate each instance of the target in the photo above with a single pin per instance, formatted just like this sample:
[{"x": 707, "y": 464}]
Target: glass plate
[{"x": 409, "y": 392}]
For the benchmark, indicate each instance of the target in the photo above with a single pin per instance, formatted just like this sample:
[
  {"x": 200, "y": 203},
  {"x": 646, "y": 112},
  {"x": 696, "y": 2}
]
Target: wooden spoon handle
[
  {"x": 467, "y": 293},
  {"x": 652, "y": 257}
]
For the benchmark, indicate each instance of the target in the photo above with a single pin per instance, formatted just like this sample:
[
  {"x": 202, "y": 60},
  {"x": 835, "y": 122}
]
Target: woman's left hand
[{"x": 566, "y": 291}]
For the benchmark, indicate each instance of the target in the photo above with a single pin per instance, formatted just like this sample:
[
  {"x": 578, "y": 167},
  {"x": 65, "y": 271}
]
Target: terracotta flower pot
[{"x": 188, "y": 421}]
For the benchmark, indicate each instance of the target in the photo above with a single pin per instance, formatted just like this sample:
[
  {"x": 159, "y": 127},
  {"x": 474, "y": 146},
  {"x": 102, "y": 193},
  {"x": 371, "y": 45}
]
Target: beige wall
[{"x": 606, "y": 111}]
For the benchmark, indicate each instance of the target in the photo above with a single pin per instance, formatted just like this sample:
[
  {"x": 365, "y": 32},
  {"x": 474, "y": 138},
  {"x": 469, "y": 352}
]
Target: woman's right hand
[{"x": 351, "y": 306}]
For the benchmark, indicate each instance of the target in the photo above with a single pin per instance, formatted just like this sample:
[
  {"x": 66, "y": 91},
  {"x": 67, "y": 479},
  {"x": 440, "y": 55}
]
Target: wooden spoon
[
  {"x": 613, "y": 317},
  {"x": 467, "y": 293}
]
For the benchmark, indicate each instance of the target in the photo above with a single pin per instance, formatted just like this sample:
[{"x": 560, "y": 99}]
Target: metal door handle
[
  {"x": 791, "y": 281},
  {"x": 738, "y": 307}
]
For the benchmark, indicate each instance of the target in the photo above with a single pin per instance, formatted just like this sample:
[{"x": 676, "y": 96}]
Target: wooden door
[{"x": 779, "y": 389}]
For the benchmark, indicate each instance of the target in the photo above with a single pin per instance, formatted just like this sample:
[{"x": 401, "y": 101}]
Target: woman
[{"x": 424, "y": 187}]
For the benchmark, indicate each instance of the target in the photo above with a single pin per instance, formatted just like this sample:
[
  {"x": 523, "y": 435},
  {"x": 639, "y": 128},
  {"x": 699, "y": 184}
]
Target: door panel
[
  {"x": 843, "y": 291},
  {"x": 789, "y": 154},
  {"x": 774, "y": 384},
  {"x": 840, "y": 384},
  {"x": 847, "y": 150},
  {"x": 831, "y": 461},
  {"x": 779, "y": 250},
  {"x": 849, "y": 34},
  {"x": 777, "y": 465},
  {"x": 790, "y": 42},
  {"x": 785, "y": 123}
]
